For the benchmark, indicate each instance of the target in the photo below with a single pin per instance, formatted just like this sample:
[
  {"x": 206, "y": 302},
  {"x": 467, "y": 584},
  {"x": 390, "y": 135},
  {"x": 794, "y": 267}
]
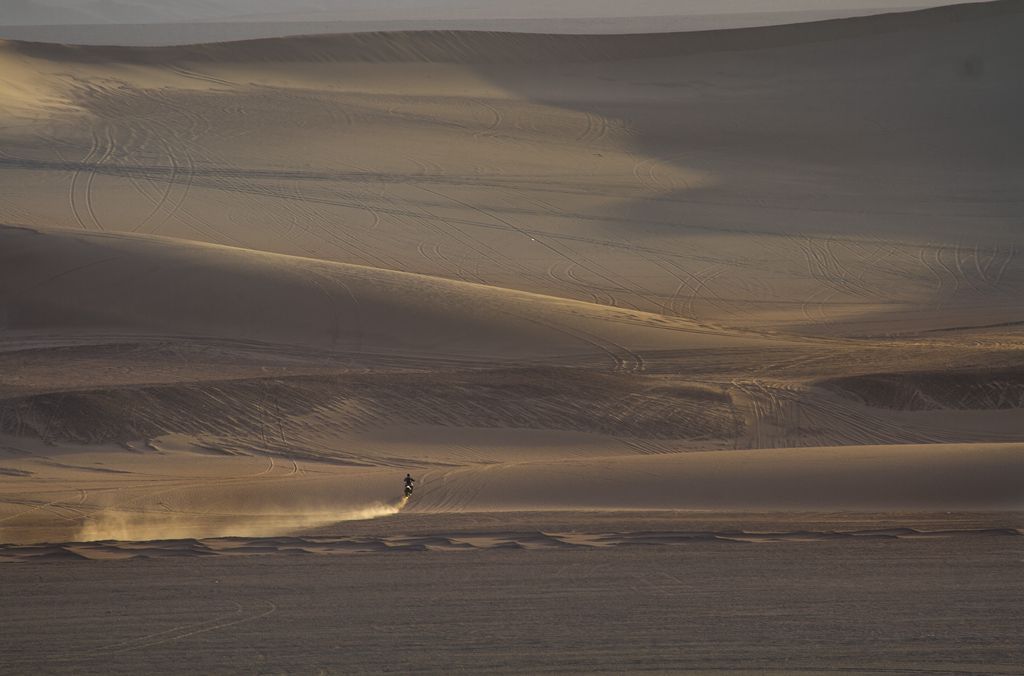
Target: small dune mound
[
  {"x": 963, "y": 390},
  {"x": 268, "y": 412},
  {"x": 26, "y": 90}
]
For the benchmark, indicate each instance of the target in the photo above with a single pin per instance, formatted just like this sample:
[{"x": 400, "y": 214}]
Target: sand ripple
[{"x": 536, "y": 540}]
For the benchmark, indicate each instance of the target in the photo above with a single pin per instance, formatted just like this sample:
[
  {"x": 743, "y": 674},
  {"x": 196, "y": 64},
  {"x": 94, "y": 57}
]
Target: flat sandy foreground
[
  {"x": 522, "y": 593},
  {"x": 704, "y": 348}
]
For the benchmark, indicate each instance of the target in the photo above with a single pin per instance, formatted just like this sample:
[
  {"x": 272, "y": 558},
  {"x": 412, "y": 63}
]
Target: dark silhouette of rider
[{"x": 409, "y": 481}]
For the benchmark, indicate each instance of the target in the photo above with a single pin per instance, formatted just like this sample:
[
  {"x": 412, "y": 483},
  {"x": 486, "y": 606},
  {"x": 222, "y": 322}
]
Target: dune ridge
[
  {"x": 122, "y": 282},
  {"x": 995, "y": 389},
  {"x": 447, "y": 46}
]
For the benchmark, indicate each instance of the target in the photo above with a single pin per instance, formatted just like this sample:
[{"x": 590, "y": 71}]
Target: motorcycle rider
[{"x": 409, "y": 481}]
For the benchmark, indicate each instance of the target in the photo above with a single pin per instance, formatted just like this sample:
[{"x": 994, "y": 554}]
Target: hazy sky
[{"x": 27, "y": 12}]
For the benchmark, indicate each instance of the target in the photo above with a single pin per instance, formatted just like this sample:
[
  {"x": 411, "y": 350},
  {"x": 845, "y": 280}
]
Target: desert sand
[{"x": 710, "y": 338}]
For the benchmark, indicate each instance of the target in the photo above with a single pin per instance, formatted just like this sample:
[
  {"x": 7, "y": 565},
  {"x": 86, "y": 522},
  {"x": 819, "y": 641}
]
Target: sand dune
[
  {"x": 82, "y": 283},
  {"x": 244, "y": 286},
  {"x": 900, "y": 478},
  {"x": 69, "y": 12},
  {"x": 776, "y": 177},
  {"x": 260, "y": 393},
  {"x": 179, "y": 489},
  {"x": 188, "y": 33},
  {"x": 155, "y": 26}
]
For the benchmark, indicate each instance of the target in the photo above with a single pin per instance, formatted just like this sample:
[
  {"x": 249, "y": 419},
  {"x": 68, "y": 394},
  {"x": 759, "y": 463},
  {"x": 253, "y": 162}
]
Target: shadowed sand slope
[
  {"x": 80, "y": 283},
  {"x": 895, "y": 478},
  {"x": 527, "y": 47},
  {"x": 997, "y": 389},
  {"x": 143, "y": 23}
]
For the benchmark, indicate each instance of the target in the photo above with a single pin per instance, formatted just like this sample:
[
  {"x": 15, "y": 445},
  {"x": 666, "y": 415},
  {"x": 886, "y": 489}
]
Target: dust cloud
[{"x": 115, "y": 524}]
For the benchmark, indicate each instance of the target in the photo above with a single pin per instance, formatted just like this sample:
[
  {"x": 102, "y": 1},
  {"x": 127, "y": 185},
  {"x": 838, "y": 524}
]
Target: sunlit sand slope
[
  {"x": 847, "y": 177},
  {"x": 865, "y": 478},
  {"x": 162, "y": 493},
  {"x": 74, "y": 283}
]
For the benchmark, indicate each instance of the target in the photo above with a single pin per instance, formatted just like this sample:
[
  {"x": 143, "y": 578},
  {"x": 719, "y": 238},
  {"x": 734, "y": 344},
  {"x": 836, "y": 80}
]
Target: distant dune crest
[{"x": 505, "y": 44}]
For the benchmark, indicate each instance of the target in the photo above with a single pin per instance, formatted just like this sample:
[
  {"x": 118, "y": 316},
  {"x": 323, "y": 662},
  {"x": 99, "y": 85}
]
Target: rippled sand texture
[{"x": 872, "y": 605}]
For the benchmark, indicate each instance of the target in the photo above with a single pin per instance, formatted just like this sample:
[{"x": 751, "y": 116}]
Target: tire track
[
  {"x": 76, "y": 174},
  {"x": 490, "y": 128},
  {"x": 561, "y": 281},
  {"x": 196, "y": 75},
  {"x": 107, "y": 151},
  {"x": 595, "y": 129},
  {"x": 236, "y": 617},
  {"x": 572, "y": 257}
]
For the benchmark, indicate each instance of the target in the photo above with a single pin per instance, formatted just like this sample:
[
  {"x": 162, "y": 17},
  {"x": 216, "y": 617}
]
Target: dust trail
[{"x": 116, "y": 524}]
